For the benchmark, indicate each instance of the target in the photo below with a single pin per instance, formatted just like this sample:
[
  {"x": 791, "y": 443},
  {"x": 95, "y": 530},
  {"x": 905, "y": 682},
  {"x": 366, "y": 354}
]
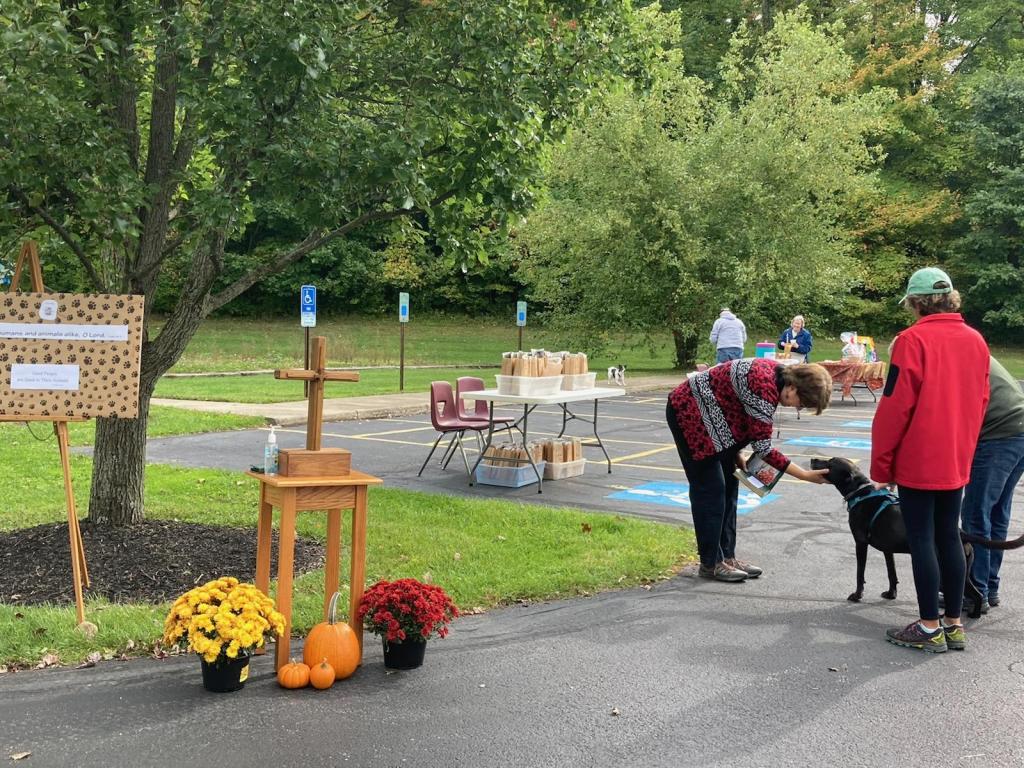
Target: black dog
[{"x": 877, "y": 521}]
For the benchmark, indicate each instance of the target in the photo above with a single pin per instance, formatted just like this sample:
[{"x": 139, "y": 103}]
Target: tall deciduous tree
[
  {"x": 668, "y": 204},
  {"x": 138, "y": 130}
]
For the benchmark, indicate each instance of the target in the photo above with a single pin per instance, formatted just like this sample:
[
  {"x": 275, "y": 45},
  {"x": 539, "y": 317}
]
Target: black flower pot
[
  {"x": 225, "y": 675},
  {"x": 407, "y": 654}
]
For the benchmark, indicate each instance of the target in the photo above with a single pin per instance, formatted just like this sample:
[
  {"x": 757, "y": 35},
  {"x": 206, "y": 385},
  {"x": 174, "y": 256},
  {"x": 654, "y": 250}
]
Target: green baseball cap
[{"x": 928, "y": 281}]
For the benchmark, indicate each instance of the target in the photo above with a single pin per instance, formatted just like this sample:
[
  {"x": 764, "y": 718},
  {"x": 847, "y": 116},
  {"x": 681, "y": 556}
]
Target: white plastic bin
[
  {"x": 564, "y": 469},
  {"x": 529, "y": 386},
  {"x": 577, "y": 381},
  {"x": 508, "y": 475}
]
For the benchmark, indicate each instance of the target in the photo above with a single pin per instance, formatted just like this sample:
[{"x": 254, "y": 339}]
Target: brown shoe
[
  {"x": 750, "y": 569},
  {"x": 723, "y": 572}
]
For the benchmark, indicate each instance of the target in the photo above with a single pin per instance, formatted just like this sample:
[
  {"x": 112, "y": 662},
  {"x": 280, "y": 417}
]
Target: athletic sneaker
[
  {"x": 993, "y": 599},
  {"x": 721, "y": 572},
  {"x": 750, "y": 569},
  {"x": 913, "y": 636},
  {"x": 956, "y": 638},
  {"x": 969, "y": 604}
]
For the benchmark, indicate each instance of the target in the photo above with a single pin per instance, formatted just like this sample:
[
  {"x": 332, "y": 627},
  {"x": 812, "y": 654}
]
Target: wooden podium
[
  {"x": 292, "y": 495},
  {"x": 305, "y": 490}
]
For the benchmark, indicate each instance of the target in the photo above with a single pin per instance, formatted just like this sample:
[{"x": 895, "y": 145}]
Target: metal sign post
[
  {"x": 403, "y": 318},
  {"x": 520, "y": 320},
  {"x": 307, "y": 319}
]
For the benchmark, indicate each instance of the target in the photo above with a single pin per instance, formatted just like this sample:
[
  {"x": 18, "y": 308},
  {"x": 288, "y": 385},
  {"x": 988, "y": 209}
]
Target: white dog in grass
[{"x": 617, "y": 375}]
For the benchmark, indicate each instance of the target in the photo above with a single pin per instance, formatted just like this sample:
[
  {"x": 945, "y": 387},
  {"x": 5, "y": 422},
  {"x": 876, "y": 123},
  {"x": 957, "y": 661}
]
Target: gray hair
[{"x": 798, "y": 317}]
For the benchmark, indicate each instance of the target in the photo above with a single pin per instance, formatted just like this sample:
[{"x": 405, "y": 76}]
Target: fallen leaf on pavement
[
  {"x": 615, "y": 712},
  {"x": 20, "y": 755},
  {"x": 90, "y": 661}
]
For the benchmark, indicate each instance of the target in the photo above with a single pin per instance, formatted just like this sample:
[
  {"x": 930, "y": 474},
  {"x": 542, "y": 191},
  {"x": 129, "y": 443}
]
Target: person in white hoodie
[{"x": 728, "y": 334}]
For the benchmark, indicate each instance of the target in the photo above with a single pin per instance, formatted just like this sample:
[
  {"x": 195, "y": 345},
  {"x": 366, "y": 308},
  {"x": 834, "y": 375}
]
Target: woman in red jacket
[
  {"x": 922, "y": 439},
  {"x": 714, "y": 414}
]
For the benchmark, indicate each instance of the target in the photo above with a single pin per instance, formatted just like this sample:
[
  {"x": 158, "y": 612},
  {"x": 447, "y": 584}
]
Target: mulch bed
[{"x": 151, "y": 562}]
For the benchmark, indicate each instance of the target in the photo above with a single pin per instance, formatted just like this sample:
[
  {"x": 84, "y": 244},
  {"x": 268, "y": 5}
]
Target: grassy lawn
[
  {"x": 264, "y": 388},
  {"x": 485, "y": 553}
]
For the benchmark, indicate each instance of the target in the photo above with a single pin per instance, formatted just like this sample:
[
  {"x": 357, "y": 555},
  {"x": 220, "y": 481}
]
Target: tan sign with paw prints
[{"x": 70, "y": 355}]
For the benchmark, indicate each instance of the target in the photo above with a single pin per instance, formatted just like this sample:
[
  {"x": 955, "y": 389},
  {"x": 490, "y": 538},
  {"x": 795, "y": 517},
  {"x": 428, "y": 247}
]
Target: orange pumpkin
[
  {"x": 322, "y": 675},
  {"x": 293, "y": 675},
  {"x": 334, "y": 641}
]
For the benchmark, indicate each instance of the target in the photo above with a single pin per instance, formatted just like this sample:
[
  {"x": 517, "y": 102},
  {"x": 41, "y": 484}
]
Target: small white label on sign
[
  {"x": 48, "y": 310},
  {"x": 64, "y": 332},
  {"x": 63, "y": 377},
  {"x": 307, "y": 320}
]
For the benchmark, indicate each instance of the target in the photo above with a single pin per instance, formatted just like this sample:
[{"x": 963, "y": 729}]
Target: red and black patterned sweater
[{"x": 730, "y": 405}]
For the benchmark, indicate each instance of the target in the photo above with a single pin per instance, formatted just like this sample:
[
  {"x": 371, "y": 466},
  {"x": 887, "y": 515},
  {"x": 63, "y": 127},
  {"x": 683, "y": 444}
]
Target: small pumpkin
[
  {"x": 334, "y": 641},
  {"x": 322, "y": 675},
  {"x": 293, "y": 675}
]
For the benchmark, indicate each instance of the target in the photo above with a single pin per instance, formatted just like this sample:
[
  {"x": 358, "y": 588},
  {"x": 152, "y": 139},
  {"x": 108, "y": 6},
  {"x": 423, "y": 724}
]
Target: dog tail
[{"x": 993, "y": 543}]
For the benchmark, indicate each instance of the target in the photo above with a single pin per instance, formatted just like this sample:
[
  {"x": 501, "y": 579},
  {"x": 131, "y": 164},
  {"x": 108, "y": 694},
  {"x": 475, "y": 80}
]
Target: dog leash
[{"x": 890, "y": 499}]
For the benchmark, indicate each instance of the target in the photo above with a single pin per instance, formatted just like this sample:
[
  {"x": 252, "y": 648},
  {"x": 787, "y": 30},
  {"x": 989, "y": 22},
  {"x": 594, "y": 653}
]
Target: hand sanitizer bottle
[{"x": 270, "y": 452}]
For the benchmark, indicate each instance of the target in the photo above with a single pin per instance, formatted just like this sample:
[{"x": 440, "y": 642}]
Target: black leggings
[
  {"x": 933, "y": 533},
  {"x": 713, "y": 495}
]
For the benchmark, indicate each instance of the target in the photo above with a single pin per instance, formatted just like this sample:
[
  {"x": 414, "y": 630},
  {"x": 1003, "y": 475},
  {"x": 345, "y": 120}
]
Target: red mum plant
[{"x": 406, "y": 610}]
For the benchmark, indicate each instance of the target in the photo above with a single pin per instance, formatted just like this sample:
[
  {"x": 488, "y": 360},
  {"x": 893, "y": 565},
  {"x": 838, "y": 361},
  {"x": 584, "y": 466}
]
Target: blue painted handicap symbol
[
  {"x": 858, "y": 424},
  {"x": 678, "y": 495},
  {"x": 856, "y": 443}
]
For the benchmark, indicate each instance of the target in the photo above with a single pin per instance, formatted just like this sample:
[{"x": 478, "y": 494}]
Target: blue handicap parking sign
[
  {"x": 856, "y": 443},
  {"x": 677, "y": 495}
]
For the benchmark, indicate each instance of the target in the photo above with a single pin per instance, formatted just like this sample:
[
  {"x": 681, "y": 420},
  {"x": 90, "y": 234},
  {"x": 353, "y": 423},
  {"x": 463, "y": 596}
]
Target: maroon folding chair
[
  {"x": 481, "y": 411},
  {"x": 445, "y": 417}
]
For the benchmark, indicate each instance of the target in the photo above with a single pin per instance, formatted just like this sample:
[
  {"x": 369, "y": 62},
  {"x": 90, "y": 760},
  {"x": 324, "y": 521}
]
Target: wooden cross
[{"x": 316, "y": 375}]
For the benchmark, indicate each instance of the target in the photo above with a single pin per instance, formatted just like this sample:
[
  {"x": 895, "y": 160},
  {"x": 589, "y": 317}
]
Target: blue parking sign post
[
  {"x": 520, "y": 320},
  {"x": 403, "y": 318},
  {"x": 307, "y": 320}
]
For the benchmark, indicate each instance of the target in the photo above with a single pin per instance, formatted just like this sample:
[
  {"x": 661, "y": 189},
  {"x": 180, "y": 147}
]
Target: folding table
[{"x": 530, "y": 402}]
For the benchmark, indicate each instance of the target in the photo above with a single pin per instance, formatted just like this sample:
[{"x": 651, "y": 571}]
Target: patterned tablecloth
[{"x": 846, "y": 373}]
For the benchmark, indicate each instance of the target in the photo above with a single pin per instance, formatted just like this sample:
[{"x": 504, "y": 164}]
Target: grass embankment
[
  {"x": 485, "y": 553},
  {"x": 231, "y": 345}
]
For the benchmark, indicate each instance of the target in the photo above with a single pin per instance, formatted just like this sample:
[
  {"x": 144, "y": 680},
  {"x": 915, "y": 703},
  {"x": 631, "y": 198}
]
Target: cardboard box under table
[{"x": 322, "y": 494}]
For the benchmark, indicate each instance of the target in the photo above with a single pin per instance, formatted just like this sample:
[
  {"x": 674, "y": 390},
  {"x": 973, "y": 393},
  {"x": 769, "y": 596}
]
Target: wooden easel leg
[
  {"x": 332, "y": 570},
  {"x": 357, "y": 574},
  {"x": 285, "y": 563},
  {"x": 78, "y": 569}
]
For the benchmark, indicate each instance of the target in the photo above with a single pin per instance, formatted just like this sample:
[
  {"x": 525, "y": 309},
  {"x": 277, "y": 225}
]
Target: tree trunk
[
  {"x": 118, "y": 469},
  {"x": 686, "y": 348},
  {"x": 766, "y": 15}
]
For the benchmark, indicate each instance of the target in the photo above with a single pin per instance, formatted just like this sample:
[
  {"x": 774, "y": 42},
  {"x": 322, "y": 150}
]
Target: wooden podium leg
[
  {"x": 285, "y": 563},
  {"x": 264, "y": 533},
  {"x": 357, "y": 576},
  {"x": 77, "y": 549},
  {"x": 332, "y": 570}
]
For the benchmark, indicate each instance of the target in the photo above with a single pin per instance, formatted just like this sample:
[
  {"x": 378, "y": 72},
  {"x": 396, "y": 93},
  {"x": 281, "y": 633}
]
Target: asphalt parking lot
[{"x": 646, "y": 478}]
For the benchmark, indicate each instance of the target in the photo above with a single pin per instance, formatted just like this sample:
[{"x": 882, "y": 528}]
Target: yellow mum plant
[{"x": 222, "y": 618}]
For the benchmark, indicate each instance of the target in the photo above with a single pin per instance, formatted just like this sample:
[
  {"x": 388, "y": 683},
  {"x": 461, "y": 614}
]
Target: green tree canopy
[
  {"x": 671, "y": 203},
  {"x": 146, "y": 132}
]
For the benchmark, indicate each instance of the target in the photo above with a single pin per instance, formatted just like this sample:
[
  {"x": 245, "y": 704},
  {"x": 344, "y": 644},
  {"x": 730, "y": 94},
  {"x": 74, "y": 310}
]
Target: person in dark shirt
[
  {"x": 997, "y": 467},
  {"x": 799, "y": 337}
]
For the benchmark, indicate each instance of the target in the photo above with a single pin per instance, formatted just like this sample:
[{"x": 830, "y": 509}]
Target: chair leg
[
  {"x": 432, "y": 449},
  {"x": 450, "y": 453}
]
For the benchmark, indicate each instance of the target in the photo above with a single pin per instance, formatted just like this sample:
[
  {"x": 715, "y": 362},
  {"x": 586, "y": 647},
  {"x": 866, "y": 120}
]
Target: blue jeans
[
  {"x": 998, "y": 465},
  {"x": 725, "y": 354}
]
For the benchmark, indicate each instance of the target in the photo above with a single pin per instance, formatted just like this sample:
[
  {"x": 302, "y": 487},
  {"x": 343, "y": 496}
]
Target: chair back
[
  {"x": 470, "y": 384},
  {"x": 443, "y": 415}
]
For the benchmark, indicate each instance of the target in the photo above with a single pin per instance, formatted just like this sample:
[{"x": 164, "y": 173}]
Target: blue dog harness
[{"x": 890, "y": 499}]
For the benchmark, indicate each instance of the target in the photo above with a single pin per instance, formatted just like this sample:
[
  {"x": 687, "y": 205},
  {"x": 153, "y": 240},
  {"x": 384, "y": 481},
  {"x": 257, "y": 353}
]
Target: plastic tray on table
[
  {"x": 529, "y": 386},
  {"x": 577, "y": 381}
]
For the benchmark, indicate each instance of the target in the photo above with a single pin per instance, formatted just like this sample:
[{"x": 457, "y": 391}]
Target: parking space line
[{"x": 640, "y": 455}]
